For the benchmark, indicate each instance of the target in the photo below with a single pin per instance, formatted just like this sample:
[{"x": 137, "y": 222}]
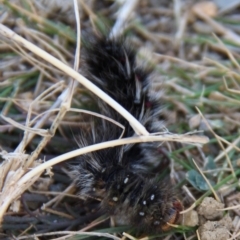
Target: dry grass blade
[
  {"x": 122, "y": 16},
  {"x": 209, "y": 184},
  {"x": 220, "y": 143},
  {"x": 95, "y": 147},
  {"x": 72, "y": 233}
]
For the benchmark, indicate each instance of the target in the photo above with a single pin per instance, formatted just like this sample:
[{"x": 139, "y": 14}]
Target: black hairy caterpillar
[{"x": 121, "y": 176}]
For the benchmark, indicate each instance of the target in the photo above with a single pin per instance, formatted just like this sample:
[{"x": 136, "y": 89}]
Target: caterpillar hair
[{"x": 122, "y": 177}]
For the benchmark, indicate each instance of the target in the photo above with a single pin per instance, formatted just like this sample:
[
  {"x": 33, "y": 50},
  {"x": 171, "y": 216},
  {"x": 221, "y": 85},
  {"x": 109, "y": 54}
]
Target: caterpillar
[{"x": 123, "y": 177}]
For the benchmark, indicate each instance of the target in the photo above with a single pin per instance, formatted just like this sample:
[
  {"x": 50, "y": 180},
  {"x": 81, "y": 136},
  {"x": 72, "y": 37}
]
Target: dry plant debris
[{"x": 194, "y": 46}]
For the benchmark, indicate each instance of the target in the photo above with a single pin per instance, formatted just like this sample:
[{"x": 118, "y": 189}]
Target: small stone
[
  {"x": 191, "y": 218},
  {"x": 209, "y": 208},
  {"x": 216, "y": 230}
]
